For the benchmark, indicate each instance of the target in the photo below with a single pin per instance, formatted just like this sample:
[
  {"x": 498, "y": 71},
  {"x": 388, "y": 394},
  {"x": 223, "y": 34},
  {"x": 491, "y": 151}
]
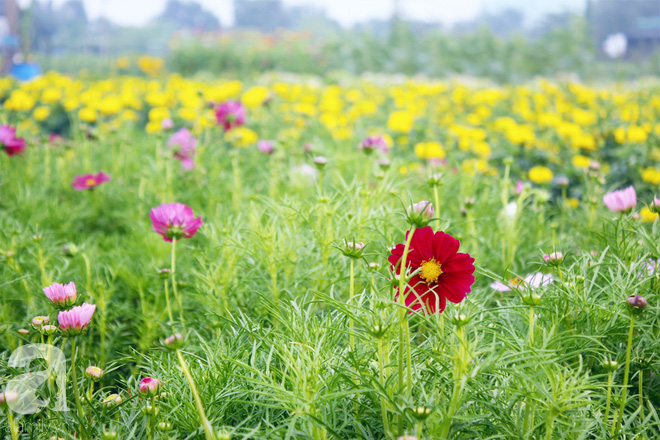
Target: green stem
[
  {"x": 167, "y": 301},
  {"x": 383, "y": 402},
  {"x": 626, "y": 375},
  {"x": 531, "y": 325},
  {"x": 13, "y": 427},
  {"x": 76, "y": 391},
  {"x": 436, "y": 198},
  {"x": 198, "y": 402},
  {"x": 459, "y": 367},
  {"x": 640, "y": 389},
  {"x": 351, "y": 294},
  {"x": 402, "y": 318},
  {"x": 548, "y": 431},
  {"x": 609, "y": 397},
  {"x": 174, "y": 288}
]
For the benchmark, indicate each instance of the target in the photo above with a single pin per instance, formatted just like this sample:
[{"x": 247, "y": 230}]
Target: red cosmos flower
[{"x": 442, "y": 272}]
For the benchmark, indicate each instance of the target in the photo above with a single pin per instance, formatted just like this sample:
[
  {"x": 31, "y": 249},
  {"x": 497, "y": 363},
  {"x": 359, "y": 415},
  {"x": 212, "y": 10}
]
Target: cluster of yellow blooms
[{"x": 556, "y": 126}]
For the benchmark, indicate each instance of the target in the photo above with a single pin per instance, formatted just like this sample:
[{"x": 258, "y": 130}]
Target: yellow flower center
[
  {"x": 431, "y": 270},
  {"x": 90, "y": 182}
]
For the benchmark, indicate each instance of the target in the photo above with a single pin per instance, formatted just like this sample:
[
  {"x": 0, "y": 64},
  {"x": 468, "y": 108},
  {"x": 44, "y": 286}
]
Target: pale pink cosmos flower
[
  {"x": 230, "y": 114},
  {"x": 531, "y": 281},
  {"x": 266, "y": 147},
  {"x": 519, "y": 187},
  {"x": 75, "y": 321},
  {"x": 149, "y": 386},
  {"x": 9, "y": 142},
  {"x": 61, "y": 295},
  {"x": 174, "y": 221},
  {"x": 89, "y": 181},
  {"x": 373, "y": 143},
  {"x": 167, "y": 124},
  {"x": 184, "y": 144},
  {"x": 622, "y": 200}
]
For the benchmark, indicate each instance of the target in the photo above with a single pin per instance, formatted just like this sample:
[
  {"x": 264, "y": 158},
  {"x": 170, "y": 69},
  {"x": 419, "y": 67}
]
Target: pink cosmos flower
[
  {"x": 174, "y": 221},
  {"x": 184, "y": 144},
  {"x": 9, "y": 142},
  {"x": 230, "y": 114},
  {"x": 149, "y": 386},
  {"x": 266, "y": 147},
  {"x": 89, "y": 181},
  {"x": 531, "y": 281},
  {"x": 167, "y": 124},
  {"x": 621, "y": 201},
  {"x": 373, "y": 143},
  {"x": 75, "y": 321},
  {"x": 61, "y": 295},
  {"x": 519, "y": 187}
]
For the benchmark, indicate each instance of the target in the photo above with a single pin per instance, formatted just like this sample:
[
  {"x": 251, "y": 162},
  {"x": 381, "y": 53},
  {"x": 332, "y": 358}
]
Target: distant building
[{"x": 638, "y": 21}]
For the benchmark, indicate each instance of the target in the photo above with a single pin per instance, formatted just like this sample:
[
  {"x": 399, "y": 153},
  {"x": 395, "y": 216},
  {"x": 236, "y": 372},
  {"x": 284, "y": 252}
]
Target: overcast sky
[{"x": 347, "y": 12}]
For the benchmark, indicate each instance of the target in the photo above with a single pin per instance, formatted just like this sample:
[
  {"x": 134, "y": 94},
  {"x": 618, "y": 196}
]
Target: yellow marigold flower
[
  {"x": 620, "y": 135},
  {"x": 482, "y": 149},
  {"x": 51, "y": 95},
  {"x": 241, "y": 137},
  {"x": 580, "y": 161},
  {"x": 540, "y": 174},
  {"x": 154, "y": 127},
  {"x": 429, "y": 150},
  {"x": 87, "y": 114},
  {"x": 157, "y": 114},
  {"x": 647, "y": 215},
  {"x": 41, "y": 113},
  {"x": 110, "y": 105},
  {"x": 400, "y": 121},
  {"x": 124, "y": 63},
  {"x": 19, "y": 101},
  {"x": 70, "y": 104},
  {"x": 255, "y": 96},
  {"x": 573, "y": 202},
  {"x": 187, "y": 114},
  {"x": 636, "y": 134},
  {"x": 651, "y": 175}
]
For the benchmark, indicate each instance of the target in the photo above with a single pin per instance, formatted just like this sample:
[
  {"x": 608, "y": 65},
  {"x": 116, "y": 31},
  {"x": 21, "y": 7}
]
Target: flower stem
[
  {"x": 174, "y": 288},
  {"x": 383, "y": 402},
  {"x": 459, "y": 367},
  {"x": 351, "y": 294},
  {"x": 641, "y": 393},
  {"x": 403, "y": 322},
  {"x": 531, "y": 325},
  {"x": 436, "y": 198},
  {"x": 167, "y": 301},
  {"x": 198, "y": 402},
  {"x": 13, "y": 427},
  {"x": 76, "y": 391},
  {"x": 609, "y": 397},
  {"x": 626, "y": 374},
  {"x": 550, "y": 425}
]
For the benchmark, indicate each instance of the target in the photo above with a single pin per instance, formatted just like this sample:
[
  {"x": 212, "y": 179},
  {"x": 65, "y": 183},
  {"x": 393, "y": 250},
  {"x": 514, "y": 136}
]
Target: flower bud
[
  {"x": 384, "y": 164},
  {"x": 374, "y": 266},
  {"x": 7, "y": 397},
  {"x": 174, "y": 342},
  {"x": 553, "y": 259},
  {"x": 637, "y": 302},
  {"x": 532, "y": 299},
  {"x": 562, "y": 181},
  {"x": 112, "y": 400},
  {"x": 150, "y": 410},
  {"x": 70, "y": 250},
  {"x": 421, "y": 413},
  {"x": 469, "y": 202},
  {"x": 109, "y": 434},
  {"x": 610, "y": 366},
  {"x": 149, "y": 386},
  {"x": 39, "y": 321},
  {"x": 460, "y": 319},
  {"x": 419, "y": 214},
  {"x": 164, "y": 273},
  {"x": 49, "y": 329},
  {"x": 655, "y": 206},
  {"x": 407, "y": 437},
  {"x": 94, "y": 373},
  {"x": 164, "y": 426},
  {"x": 23, "y": 331},
  {"x": 222, "y": 436},
  {"x": 37, "y": 238},
  {"x": 320, "y": 162},
  {"x": 435, "y": 179},
  {"x": 352, "y": 249}
]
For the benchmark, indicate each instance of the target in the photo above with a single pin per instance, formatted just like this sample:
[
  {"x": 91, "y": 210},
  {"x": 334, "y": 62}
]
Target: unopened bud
[
  {"x": 532, "y": 299},
  {"x": 39, "y": 321},
  {"x": 320, "y": 162},
  {"x": 7, "y": 397},
  {"x": 553, "y": 259},
  {"x": 174, "y": 342},
  {"x": 112, "y": 400},
  {"x": 421, "y": 413},
  {"x": 109, "y": 434},
  {"x": 610, "y": 366},
  {"x": 94, "y": 373},
  {"x": 637, "y": 302}
]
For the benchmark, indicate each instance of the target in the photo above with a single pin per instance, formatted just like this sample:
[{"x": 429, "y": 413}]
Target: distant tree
[
  {"x": 188, "y": 15},
  {"x": 265, "y": 15}
]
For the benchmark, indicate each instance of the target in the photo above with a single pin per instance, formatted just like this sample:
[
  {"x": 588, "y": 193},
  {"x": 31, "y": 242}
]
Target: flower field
[{"x": 370, "y": 257}]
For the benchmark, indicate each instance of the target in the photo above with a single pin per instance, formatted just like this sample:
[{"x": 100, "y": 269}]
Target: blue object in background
[{"x": 25, "y": 71}]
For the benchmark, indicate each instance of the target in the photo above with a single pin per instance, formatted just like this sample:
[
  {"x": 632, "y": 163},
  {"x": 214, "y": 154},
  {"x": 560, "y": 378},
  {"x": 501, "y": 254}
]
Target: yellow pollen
[
  {"x": 431, "y": 270},
  {"x": 90, "y": 182}
]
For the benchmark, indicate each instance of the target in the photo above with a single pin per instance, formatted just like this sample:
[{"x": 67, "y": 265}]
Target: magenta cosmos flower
[
  {"x": 9, "y": 142},
  {"x": 149, "y": 386},
  {"x": 184, "y": 144},
  {"x": 75, "y": 321},
  {"x": 89, "y": 181},
  {"x": 621, "y": 201},
  {"x": 266, "y": 147},
  {"x": 174, "y": 221},
  {"x": 230, "y": 114},
  {"x": 372, "y": 143},
  {"x": 61, "y": 295}
]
